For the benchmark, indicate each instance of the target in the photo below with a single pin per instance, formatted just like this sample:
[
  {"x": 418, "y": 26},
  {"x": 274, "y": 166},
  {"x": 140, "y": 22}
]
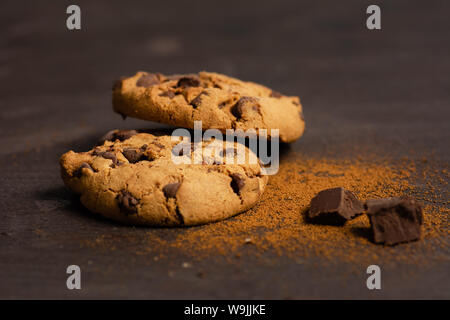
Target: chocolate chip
[
  {"x": 237, "y": 182},
  {"x": 334, "y": 206},
  {"x": 196, "y": 101},
  {"x": 109, "y": 136},
  {"x": 143, "y": 147},
  {"x": 188, "y": 82},
  {"x": 238, "y": 109},
  {"x": 123, "y": 135},
  {"x": 168, "y": 93},
  {"x": 79, "y": 172},
  {"x": 107, "y": 155},
  {"x": 275, "y": 94},
  {"x": 170, "y": 190},
  {"x": 120, "y": 135},
  {"x": 147, "y": 80},
  {"x": 134, "y": 155},
  {"x": 111, "y": 156},
  {"x": 127, "y": 203},
  {"x": 394, "y": 220}
]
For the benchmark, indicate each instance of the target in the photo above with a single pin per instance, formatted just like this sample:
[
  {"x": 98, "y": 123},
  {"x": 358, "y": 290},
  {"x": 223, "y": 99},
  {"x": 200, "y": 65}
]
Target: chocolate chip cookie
[
  {"x": 219, "y": 101},
  {"x": 158, "y": 180}
]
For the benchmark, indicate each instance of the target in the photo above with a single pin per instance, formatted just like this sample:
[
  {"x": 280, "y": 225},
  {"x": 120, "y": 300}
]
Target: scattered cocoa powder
[
  {"x": 277, "y": 222},
  {"x": 276, "y": 225}
]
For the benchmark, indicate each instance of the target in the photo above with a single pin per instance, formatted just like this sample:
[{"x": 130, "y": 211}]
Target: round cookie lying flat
[
  {"x": 220, "y": 102},
  {"x": 133, "y": 179}
]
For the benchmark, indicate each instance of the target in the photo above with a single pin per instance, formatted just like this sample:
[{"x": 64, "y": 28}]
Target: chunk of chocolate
[
  {"x": 114, "y": 135},
  {"x": 196, "y": 101},
  {"x": 394, "y": 220},
  {"x": 237, "y": 182},
  {"x": 109, "y": 136},
  {"x": 79, "y": 172},
  {"x": 123, "y": 135},
  {"x": 170, "y": 190},
  {"x": 127, "y": 203},
  {"x": 134, "y": 155},
  {"x": 188, "y": 82},
  {"x": 238, "y": 109},
  {"x": 334, "y": 207},
  {"x": 147, "y": 80},
  {"x": 107, "y": 155}
]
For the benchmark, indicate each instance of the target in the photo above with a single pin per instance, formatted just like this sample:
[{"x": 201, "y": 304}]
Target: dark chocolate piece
[
  {"x": 107, "y": 155},
  {"x": 147, "y": 80},
  {"x": 238, "y": 109},
  {"x": 394, "y": 220},
  {"x": 79, "y": 172},
  {"x": 196, "y": 101},
  {"x": 237, "y": 182},
  {"x": 170, "y": 190},
  {"x": 123, "y": 135},
  {"x": 134, "y": 155},
  {"x": 334, "y": 206},
  {"x": 127, "y": 203},
  {"x": 114, "y": 135},
  {"x": 188, "y": 82}
]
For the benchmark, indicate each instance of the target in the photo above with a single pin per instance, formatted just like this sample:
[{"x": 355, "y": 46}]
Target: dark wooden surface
[{"x": 387, "y": 91}]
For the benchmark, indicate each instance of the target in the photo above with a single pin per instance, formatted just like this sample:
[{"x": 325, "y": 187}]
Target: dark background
[{"x": 387, "y": 91}]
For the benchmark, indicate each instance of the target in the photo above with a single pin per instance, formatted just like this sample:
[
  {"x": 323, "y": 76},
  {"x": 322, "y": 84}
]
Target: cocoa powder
[{"x": 277, "y": 222}]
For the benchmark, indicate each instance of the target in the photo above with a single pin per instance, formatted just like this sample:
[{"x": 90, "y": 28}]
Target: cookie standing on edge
[
  {"x": 220, "y": 102},
  {"x": 134, "y": 180}
]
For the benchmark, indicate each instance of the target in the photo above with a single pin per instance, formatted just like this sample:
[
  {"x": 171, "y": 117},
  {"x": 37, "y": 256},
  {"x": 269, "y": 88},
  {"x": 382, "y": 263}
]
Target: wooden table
[{"x": 387, "y": 91}]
